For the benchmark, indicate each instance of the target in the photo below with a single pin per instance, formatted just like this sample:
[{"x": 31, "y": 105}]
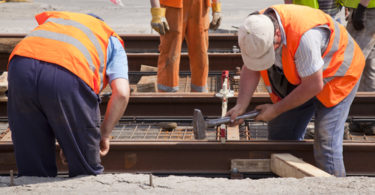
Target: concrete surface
[{"x": 134, "y": 17}]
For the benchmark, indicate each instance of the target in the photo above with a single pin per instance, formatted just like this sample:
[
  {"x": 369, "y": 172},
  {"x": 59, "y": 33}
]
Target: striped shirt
[
  {"x": 308, "y": 57},
  {"x": 330, "y": 7}
]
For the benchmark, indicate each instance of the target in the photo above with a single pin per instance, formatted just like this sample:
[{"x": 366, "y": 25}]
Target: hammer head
[{"x": 199, "y": 125}]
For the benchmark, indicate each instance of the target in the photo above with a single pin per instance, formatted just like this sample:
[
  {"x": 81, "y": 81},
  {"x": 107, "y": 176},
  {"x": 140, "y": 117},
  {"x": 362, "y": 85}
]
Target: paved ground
[{"x": 134, "y": 17}]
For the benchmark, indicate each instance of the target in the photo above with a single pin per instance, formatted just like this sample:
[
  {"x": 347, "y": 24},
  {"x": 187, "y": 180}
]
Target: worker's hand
[
  {"x": 62, "y": 156},
  {"x": 267, "y": 112},
  {"x": 237, "y": 110},
  {"x": 104, "y": 146},
  {"x": 358, "y": 17},
  {"x": 216, "y": 16},
  {"x": 159, "y": 22}
]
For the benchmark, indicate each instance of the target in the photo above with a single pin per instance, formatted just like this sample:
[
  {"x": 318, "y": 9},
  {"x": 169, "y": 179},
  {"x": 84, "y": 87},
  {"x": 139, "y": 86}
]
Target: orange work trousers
[{"x": 190, "y": 23}]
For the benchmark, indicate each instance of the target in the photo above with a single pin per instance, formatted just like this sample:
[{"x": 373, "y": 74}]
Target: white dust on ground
[{"x": 140, "y": 184}]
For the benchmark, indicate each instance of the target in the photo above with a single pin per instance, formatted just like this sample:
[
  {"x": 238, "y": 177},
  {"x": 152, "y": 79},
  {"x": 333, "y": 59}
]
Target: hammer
[{"x": 200, "y": 125}]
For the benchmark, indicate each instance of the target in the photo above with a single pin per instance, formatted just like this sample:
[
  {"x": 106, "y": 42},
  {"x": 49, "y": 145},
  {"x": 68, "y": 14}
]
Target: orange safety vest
[
  {"x": 178, "y": 3},
  {"x": 343, "y": 59},
  {"x": 75, "y": 41}
]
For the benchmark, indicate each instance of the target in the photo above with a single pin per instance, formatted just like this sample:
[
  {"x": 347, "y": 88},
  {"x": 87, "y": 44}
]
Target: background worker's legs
[
  {"x": 329, "y": 133},
  {"x": 366, "y": 41},
  {"x": 170, "y": 51},
  {"x": 197, "y": 42},
  {"x": 33, "y": 138},
  {"x": 368, "y": 75}
]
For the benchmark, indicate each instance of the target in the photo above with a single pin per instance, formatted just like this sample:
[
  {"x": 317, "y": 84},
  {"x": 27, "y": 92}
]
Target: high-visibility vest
[
  {"x": 77, "y": 42},
  {"x": 354, "y": 3},
  {"x": 310, "y": 3},
  {"x": 343, "y": 59},
  {"x": 179, "y": 3}
]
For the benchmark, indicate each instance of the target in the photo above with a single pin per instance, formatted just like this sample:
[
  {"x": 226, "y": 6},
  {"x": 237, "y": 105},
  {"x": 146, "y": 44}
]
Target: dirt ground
[{"x": 135, "y": 17}]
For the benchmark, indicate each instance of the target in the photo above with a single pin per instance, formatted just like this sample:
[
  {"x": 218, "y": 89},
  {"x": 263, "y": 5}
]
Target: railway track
[
  {"x": 143, "y": 49},
  {"x": 139, "y": 146},
  {"x": 222, "y": 57},
  {"x": 205, "y": 157}
]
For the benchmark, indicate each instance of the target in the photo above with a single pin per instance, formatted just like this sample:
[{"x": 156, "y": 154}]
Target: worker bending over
[
  {"x": 55, "y": 75},
  {"x": 175, "y": 21},
  {"x": 311, "y": 67}
]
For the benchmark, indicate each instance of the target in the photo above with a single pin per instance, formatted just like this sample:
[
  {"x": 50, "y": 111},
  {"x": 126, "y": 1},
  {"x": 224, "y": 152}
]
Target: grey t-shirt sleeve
[{"x": 308, "y": 57}]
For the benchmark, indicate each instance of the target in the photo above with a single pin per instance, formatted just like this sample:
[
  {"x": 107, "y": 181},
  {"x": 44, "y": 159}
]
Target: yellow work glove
[
  {"x": 216, "y": 16},
  {"x": 158, "y": 22}
]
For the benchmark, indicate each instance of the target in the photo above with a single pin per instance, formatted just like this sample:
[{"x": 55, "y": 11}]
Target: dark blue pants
[{"x": 46, "y": 102}]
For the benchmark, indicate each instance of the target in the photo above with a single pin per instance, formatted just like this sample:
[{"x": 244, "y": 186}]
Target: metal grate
[
  {"x": 131, "y": 131},
  {"x": 153, "y": 132}
]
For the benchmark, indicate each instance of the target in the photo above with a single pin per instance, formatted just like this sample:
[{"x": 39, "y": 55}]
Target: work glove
[
  {"x": 158, "y": 22},
  {"x": 216, "y": 16},
  {"x": 358, "y": 17}
]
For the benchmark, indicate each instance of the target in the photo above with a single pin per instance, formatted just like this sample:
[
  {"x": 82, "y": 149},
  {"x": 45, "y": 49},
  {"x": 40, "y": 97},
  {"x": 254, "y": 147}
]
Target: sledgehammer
[{"x": 200, "y": 125}]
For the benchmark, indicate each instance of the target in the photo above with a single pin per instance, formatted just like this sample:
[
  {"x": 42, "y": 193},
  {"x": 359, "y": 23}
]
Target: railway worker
[
  {"x": 55, "y": 76},
  {"x": 311, "y": 67},
  {"x": 361, "y": 25},
  {"x": 174, "y": 21}
]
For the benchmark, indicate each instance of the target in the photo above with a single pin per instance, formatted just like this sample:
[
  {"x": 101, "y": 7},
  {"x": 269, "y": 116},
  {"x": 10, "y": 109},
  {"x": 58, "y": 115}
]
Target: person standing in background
[{"x": 176, "y": 20}]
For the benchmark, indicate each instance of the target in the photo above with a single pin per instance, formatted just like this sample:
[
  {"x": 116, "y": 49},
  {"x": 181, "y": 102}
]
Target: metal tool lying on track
[{"x": 200, "y": 125}]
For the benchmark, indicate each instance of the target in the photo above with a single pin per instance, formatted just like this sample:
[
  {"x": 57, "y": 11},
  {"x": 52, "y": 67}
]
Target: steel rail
[
  {"x": 183, "y": 104},
  {"x": 218, "y": 61},
  {"x": 206, "y": 157},
  {"x": 143, "y": 49},
  {"x": 135, "y": 43}
]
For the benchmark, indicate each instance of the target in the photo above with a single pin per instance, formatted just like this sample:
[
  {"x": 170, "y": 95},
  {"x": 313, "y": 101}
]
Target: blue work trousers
[
  {"x": 329, "y": 130},
  {"x": 47, "y": 102}
]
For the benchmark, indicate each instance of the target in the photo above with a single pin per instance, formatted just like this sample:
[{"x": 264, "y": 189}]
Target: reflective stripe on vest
[
  {"x": 75, "y": 42},
  {"x": 78, "y": 42},
  {"x": 348, "y": 57},
  {"x": 348, "y": 54}
]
